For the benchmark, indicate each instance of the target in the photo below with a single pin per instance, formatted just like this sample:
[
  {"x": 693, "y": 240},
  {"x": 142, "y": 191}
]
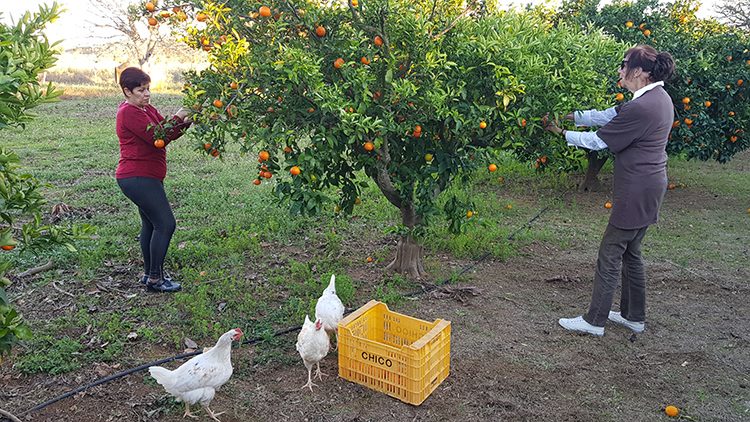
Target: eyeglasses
[{"x": 623, "y": 64}]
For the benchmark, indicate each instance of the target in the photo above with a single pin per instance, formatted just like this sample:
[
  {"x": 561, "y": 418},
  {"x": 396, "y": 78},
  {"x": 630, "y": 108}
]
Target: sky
[{"x": 73, "y": 30}]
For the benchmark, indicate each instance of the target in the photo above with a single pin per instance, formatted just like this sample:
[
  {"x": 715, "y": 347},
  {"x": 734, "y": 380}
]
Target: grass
[{"x": 244, "y": 262}]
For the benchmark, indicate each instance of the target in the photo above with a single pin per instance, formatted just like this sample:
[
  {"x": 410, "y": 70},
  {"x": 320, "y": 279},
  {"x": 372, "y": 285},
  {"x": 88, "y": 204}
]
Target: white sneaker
[
  {"x": 580, "y": 325},
  {"x": 617, "y": 318}
]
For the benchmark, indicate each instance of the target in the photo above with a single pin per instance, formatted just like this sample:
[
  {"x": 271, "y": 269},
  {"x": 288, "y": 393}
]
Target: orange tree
[
  {"x": 409, "y": 93},
  {"x": 709, "y": 89}
]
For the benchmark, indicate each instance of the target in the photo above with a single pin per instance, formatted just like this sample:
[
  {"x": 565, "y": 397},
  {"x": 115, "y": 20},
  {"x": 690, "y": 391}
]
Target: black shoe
[
  {"x": 144, "y": 279},
  {"x": 165, "y": 286}
]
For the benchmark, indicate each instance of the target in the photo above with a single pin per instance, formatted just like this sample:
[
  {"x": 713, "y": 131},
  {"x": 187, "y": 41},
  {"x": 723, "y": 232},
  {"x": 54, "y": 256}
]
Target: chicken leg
[
  {"x": 309, "y": 377},
  {"x": 319, "y": 373},
  {"x": 188, "y": 413},
  {"x": 213, "y": 415}
]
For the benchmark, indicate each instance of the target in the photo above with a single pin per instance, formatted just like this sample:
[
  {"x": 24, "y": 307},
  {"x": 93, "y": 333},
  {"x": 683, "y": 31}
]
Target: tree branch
[{"x": 455, "y": 21}]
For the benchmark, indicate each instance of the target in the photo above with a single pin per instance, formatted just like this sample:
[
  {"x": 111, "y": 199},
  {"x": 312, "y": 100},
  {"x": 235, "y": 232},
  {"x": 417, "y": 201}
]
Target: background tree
[
  {"x": 24, "y": 54},
  {"x": 734, "y": 13},
  {"x": 712, "y": 60},
  {"x": 125, "y": 22}
]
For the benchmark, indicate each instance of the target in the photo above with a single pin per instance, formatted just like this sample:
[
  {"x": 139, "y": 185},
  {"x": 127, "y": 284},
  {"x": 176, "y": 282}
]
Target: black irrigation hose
[{"x": 258, "y": 339}]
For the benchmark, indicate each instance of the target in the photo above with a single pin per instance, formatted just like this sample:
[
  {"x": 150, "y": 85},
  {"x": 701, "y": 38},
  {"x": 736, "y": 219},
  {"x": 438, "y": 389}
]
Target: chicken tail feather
[{"x": 162, "y": 375}]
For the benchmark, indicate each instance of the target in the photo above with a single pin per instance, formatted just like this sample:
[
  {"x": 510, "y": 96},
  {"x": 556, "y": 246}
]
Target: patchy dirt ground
[{"x": 509, "y": 360}]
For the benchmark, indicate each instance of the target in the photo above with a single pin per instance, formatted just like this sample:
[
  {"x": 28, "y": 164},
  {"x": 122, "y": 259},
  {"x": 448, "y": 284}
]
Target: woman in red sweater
[{"x": 141, "y": 171}]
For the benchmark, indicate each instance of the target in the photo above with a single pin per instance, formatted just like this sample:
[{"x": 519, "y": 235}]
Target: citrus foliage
[
  {"x": 709, "y": 89},
  {"x": 24, "y": 53}
]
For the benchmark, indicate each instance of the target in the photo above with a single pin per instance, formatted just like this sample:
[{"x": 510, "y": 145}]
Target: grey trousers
[{"x": 619, "y": 254}]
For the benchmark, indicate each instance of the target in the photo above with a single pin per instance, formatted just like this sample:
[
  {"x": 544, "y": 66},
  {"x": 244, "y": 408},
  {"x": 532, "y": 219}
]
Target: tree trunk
[
  {"x": 408, "y": 260},
  {"x": 591, "y": 180}
]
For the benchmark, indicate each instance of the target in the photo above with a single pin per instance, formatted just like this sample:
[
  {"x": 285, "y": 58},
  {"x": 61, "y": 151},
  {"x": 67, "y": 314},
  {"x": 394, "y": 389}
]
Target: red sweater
[{"x": 138, "y": 155}]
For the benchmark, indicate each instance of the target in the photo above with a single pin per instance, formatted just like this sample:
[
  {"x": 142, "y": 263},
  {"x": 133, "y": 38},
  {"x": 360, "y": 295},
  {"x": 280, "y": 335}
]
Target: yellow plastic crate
[{"x": 396, "y": 354}]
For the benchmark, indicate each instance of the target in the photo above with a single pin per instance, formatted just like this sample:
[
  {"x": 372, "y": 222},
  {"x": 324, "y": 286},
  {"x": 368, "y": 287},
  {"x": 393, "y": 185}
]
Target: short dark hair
[
  {"x": 132, "y": 77},
  {"x": 660, "y": 65}
]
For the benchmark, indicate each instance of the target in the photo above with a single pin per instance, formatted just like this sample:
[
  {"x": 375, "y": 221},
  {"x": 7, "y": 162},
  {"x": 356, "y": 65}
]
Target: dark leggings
[{"x": 157, "y": 221}]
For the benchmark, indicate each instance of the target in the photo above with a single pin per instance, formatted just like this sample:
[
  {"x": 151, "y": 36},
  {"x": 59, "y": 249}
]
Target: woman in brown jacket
[{"x": 636, "y": 133}]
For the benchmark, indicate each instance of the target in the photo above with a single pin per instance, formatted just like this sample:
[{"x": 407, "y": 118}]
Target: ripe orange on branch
[
  {"x": 264, "y": 11},
  {"x": 218, "y": 103},
  {"x": 672, "y": 411},
  {"x": 369, "y": 146},
  {"x": 152, "y": 21},
  {"x": 619, "y": 96},
  {"x": 150, "y": 7},
  {"x": 7, "y": 247},
  {"x": 320, "y": 31},
  {"x": 295, "y": 171},
  {"x": 338, "y": 63},
  {"x": 482, "y": 124},
  {"x": 264, "y": 155},
  {"x": 607, "y": 205},
  {"x": 378, "y": 41},
  {"x": 201, "y": 17},
  {"x": 159, "y": 143},
  {"x": 492, "y": 168},
  {"x": 686, "y": 100}
]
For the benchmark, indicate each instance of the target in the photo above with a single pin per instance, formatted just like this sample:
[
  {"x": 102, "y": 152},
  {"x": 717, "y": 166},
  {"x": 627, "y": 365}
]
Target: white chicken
[
  {"x": 197, "y": 380},
  {"x": 329, "y": 309},
  {"x": 312, "y": 345}
]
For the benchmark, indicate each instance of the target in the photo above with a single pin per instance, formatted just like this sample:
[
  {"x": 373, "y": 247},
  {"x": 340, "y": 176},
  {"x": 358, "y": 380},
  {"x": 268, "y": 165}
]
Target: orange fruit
[
  {"x": 523, "y": 122},
  {"x": 686, "y": 100},
  {"x": 672, "y": 411},
  {"x": 311, "y": 110},
  {"x": 619, "y": 96},
  {"x": 150, "y": 7},
  {"x": 215, "y": 152},
  {"x": 256, "y": 182},
  {"x": 7, "y": 247},
  {"x": 629, "y": 24},
  {"x": 733, "y": 139},
  {"x": 417, "y": 128},
  {"x": 355, "y": 3},
  {"x": 201, "y": 17},
  {"x": 607, "y": 205},
  {"x": 376, "y": 95},
  {"x": 740, "y": 82},
  {"x": 676, "y": 123},
  {"x": 543, "y": 159},
  {"x": 165, "y": 14},
  {"x": 233, "y": 85},
  {"x": 492, "y": 168},
  {"x": 482, "y": 124},
  {"x": 159, "y": 143},
  {"x": 218, "y": 103},
  {"x": 642, "y": 26},
  {"x": 729, "y": 58},
  {"x": 320, "y": 31},
  {"x": 264, "y": 11},
  {"x": 207, "y": 146},
  {"x": 731, "y": 114},
  {"x": 469, "y": 214},
  {"x": 364, "y": 60},
  {"x": 153, "y": 21},
  {"x": 647, "y": 32},
  {"x": 295, "y": 171},
  {"x": 378, "y": 41},
  {"x": 369, "y": 146},
  {"x": 707, "y": 104},
  {"x": 206, "y": 48},
  {"x": 264, "y": 155},
  {"x": 338, "y": 63},
  {"x": 369, "y": 259},
  {"x": 287, "y": 150},
  {"x": 688, "y": 121},
  {"x": 417, "y": 134}
]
